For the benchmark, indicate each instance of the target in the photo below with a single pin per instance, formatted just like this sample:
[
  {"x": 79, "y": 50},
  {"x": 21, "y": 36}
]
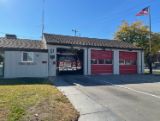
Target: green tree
[
  {"x": 136, "y": 33},
  {"x": 155, "y": 43}
]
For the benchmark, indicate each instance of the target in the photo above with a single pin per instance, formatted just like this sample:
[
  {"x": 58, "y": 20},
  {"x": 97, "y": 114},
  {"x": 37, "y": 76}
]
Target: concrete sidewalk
[{"x": 88, "y": 108}]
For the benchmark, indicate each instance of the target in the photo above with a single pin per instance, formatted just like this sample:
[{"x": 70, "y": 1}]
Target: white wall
[
  {"x": 140, "y": 62},
  {"x": 116, "y": 62},
  {"x": 85, "y": 60},
  {"x": 89, "y": 61},
  {"x": 52, "y": 50},
  {"x": 15, "y": 68}
]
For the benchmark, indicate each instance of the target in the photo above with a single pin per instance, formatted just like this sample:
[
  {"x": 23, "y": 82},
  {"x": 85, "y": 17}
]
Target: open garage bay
[{"x": 70, "y": 61}]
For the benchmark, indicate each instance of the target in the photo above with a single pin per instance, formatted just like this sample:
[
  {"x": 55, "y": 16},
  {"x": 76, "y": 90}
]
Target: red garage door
[
  {"x": 101, "y": 62},
  {"x": 128, "y": 62}
]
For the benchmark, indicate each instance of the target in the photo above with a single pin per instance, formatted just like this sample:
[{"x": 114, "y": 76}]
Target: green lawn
[
  {"x": 154, "y": 71},
  {"x": 28, "y": 101}
]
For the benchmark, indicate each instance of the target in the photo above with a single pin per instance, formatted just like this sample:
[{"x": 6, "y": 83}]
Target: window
[
  {"x": 127, "y": 62},
  {"x": 51, "y": 50},
  {"x": 130, "y": 62},
  {"x": 93, "y": 61},
  {"x": 101, "y": 61},
  {"x": 27, "y": 57},
  {"x": 122, "y": 62},
  {"x": 108, "y": 61}
]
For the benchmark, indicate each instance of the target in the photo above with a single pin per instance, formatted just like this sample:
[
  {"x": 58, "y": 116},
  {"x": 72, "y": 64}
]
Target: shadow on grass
[{"x": 25, "y": 81}]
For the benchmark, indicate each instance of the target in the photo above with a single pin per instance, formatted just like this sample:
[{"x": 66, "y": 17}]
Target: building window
[
  {"x": 51, "y": 51},
  {"x": 27, "y": 57},
  {"x": 101, "y": 61},
  {"x": 108, "y": 61},
  {"x": 131, "y": 62},
  {"x": 127, "y": 62},
  {"x": 122, "y": 62},
  {"x": 93, "y": 61}
]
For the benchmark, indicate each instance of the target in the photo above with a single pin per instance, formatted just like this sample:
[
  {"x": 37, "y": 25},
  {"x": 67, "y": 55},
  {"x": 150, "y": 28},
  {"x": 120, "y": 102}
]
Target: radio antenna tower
[{"x": 43, "y": 16}]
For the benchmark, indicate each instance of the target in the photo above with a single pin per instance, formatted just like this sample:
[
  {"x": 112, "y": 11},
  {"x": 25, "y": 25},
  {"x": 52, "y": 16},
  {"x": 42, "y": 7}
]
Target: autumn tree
[
  {"x": 136, "y": 33},
  {"x": 155, "y": 42}
]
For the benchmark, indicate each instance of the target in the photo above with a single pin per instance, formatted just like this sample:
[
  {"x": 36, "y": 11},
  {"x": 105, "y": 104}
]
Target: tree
[
  {"x": 136, "y": 33},
  {"x": 155, "y": 43}
]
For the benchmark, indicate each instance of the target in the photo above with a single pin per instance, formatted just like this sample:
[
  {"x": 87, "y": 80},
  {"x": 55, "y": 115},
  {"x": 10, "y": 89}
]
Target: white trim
[
  {"x": 89, "y": 61},
  {"x": 85, "y": 61},
  {"x": 116, "y": 62}
]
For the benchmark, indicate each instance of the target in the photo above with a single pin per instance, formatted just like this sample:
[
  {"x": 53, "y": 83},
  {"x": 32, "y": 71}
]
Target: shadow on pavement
[{"x": 103, "y": 80}]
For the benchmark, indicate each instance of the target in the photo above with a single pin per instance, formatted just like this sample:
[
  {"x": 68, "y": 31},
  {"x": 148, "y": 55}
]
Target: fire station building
[
  {"x": 62, "y": 55},
  {"x": 98, "y": 56}
]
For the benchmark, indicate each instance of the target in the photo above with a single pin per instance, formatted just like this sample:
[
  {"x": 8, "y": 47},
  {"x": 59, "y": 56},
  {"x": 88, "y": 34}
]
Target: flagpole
[
  {"x": 150, "y": 41},
  {"x": 150, "y": 30}
]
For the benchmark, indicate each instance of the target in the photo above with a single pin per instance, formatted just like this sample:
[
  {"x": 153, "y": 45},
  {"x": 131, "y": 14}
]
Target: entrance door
[{"x": 1, "y": 64}]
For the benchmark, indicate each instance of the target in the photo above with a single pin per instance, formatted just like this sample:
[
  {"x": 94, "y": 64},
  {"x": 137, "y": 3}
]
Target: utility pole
[{"x": 75, "y": 31}]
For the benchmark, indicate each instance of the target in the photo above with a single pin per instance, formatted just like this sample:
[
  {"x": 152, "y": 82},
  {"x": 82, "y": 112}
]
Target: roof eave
[
  {"x": 52, "y": 43},
  {"x": 23, "y": 49}
]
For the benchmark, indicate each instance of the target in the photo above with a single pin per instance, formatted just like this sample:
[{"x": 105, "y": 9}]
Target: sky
[{"x": 92, "y": 18}]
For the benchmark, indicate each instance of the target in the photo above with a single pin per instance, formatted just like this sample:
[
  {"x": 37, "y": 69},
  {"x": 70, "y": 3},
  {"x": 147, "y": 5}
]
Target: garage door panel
[
  {"x": 131, "y": 69},
  {"x": 128, "y": 62},
  {"x": 128, "y": 55},
  {"x": 102, "y": 55},
  {"x": 102, "y": 69}
]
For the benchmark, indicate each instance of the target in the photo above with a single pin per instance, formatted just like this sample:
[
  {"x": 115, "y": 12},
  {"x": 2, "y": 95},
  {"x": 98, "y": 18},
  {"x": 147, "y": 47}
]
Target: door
[
  {"x": 101, "y": 62},
  {"x": 128, "y": 62}
]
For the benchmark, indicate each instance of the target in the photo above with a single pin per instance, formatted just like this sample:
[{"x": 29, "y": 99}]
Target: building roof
[
  {"x": 89, "y": 42},
  {"x": 22, "y": 44}
]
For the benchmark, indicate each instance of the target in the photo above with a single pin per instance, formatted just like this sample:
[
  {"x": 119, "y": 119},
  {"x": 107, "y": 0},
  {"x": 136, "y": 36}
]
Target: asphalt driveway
[{"x": 113, "y": 98}]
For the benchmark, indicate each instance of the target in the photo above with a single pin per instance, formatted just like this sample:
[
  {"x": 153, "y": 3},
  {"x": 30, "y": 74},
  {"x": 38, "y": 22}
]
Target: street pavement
[{"x": 113, "y": 98}]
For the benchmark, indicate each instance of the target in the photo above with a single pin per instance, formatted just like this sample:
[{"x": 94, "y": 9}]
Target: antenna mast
[
  {"x": 75, "y": 31},
  {"x": 43, "y": 15}
]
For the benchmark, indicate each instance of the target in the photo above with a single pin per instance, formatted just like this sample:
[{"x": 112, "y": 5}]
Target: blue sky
[{"x": 93, "y": 18}]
